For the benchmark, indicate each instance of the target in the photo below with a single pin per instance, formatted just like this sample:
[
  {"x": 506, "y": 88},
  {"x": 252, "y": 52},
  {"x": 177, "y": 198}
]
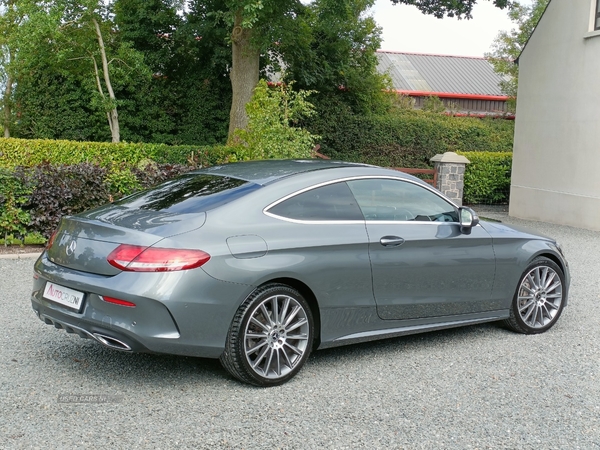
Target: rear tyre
[
  {"x": 539, "y": 299},
  {"x": 270, "y": 337}
]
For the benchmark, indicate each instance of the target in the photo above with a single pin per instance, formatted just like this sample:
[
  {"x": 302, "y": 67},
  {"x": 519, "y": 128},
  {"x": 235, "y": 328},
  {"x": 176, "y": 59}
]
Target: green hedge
[
  {"x": 406, "y": 138},
  {"x": 41, "y": 180},
  {"x": 487, "y": 177},
  {"x": 29, "y": 153}
]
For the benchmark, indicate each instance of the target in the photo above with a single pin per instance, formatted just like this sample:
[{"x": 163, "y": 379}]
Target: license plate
[{"x": 65, "y": 296}]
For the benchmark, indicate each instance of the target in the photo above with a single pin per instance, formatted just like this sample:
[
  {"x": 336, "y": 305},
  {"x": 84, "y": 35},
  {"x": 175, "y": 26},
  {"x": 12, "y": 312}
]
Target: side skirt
[{"x": 367, "y": 336}]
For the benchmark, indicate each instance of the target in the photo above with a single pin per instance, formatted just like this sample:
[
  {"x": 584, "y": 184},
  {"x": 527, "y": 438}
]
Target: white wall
[{"x": 556, "y": 161}]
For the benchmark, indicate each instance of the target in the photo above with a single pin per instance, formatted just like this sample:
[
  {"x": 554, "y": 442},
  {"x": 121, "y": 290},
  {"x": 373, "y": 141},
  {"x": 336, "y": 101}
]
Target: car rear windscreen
[{"x": 190, "y": 193}]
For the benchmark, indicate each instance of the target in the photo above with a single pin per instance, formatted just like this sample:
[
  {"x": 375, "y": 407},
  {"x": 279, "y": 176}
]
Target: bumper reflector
[{"x": 116, "y": 301}]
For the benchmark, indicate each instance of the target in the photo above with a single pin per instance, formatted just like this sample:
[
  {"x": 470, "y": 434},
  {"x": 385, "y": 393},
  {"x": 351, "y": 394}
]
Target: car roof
[{"x": 269, "y": 171}]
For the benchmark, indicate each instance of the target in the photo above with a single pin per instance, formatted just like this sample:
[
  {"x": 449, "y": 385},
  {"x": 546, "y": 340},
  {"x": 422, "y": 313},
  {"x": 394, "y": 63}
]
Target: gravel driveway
[{"x": 472, "y": 388}]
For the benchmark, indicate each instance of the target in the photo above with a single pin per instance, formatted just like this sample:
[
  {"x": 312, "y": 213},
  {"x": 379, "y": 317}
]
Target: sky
[{"x": 406, "y": 29}]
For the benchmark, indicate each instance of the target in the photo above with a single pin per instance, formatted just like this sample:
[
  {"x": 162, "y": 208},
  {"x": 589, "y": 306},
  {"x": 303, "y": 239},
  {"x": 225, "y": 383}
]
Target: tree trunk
[
  {"x": 7, "y": 100},
  {"x": 113, "y": 115},
  {"x": 7, "y": 106},
  {"x": 244, "y": 74}
]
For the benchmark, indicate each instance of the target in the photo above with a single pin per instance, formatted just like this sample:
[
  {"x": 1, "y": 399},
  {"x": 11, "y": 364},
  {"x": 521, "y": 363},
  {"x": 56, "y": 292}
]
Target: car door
[
  {"x": 422, "y": 264},
  {"x": 325, "y": 244}
]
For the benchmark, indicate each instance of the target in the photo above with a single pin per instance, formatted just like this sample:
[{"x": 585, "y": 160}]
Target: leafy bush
[
  {"x": 433, "y": 104},
  {"x": 121, "y": 181},
  {"x": 487, "y": 177},
  {"x": 272, "y": 133},
  {"x": 404, "y": 138},
  {"x": 64, "y": 190},
  {"x": 15, "y": 190}
]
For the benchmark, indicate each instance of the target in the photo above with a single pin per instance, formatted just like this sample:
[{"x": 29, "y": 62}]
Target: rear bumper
[
  {"x": 106, "y": 337},
  {"x": 182, "y": 313}
]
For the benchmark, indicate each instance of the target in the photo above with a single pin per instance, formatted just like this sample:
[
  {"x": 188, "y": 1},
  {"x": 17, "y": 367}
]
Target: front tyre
[
  {"x": 270, "y": 337},
  {"x": 539, "y": 299}
]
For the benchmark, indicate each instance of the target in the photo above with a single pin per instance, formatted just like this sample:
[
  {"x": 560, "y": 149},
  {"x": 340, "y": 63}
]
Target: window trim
[
  {"x": 597, "y": 16},
  {"x": 355, "y": 222}
]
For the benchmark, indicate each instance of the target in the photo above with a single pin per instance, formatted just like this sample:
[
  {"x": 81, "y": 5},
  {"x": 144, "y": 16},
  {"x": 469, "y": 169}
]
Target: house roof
[{"x": 441, "y": 74}]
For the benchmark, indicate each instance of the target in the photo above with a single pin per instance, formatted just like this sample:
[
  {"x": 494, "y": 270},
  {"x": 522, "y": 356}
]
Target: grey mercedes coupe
[{"x": 260, "y": 263}]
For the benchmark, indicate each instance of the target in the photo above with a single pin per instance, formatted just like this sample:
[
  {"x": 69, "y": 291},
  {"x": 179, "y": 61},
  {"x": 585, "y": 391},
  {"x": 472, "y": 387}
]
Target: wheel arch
[
  {"x": 309, "y": 296},
  {"x": 553, "y": 258}
]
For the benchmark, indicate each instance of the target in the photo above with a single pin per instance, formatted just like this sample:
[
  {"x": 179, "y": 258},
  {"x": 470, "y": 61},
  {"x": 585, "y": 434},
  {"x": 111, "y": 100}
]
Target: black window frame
[{"x": 597, "y": 16}]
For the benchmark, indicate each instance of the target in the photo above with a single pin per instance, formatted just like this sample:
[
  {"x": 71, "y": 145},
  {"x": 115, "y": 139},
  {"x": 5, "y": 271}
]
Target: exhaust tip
[{"x": 111, "y": 342}]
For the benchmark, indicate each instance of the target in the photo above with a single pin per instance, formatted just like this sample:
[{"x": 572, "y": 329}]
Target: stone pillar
[{"x": 450, "y": 169}]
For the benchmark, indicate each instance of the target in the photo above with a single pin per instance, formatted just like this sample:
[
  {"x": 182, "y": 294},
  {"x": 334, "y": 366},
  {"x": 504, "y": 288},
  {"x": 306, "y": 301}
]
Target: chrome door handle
[{"x": 391, "y": 241}]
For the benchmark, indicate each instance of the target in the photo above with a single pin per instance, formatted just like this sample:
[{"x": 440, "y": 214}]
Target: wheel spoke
[
  {"x": 545, "y": 313},
  {"x": 298, "y": 337},
  {"x": 536, "y": 313},
  {"x": 554, "y": 286},
  {"x": 256, "y": 336},
  {"x": 268, "y": 364},
  {"x": 296, "y": 350},
  {"x": 526, "y": 305},
  {"x": 256, "y": 348},
  {"x": 297, "y": 324},
  {"x": 284, "y": 309},
  {"x": 278, "y": 362},
  {"x": 258, "y": 360},
  {"x": 288, "y": 362},
  {"x": 533, "y": 282},
  {"x": 275, "y": 309},
  {"x": 291, "y": 316},
  {"x": 528, "y": 289},
  {"x": 258, "y": 323},
  {"x": 529, "y": 312},
  {"x": 549, "y": 280},
  {"x": 266, "y": 314},
  {"x": 543, "y": 276},
  {"x": 538, "y": 277}
]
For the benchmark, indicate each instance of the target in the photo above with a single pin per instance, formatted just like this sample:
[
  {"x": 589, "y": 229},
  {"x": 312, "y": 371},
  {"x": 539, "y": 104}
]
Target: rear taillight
[
  {"x": 133, "y": 258},
  {"x": 51, "y": 240}
]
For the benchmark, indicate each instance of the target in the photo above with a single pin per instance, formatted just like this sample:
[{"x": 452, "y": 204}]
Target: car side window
[
  {"x": 330, "y": 202},
  {"x": 396, "y": 200}
]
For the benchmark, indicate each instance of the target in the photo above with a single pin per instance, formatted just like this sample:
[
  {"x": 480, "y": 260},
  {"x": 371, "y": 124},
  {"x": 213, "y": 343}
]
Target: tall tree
[
  {"x": 508, "y": 45},
  {"x": 334, "y": 53},
  {"x": 188, "y": 97},
  {"x": 252, "y": 23},
  {"x": 10, "y": 19},
  {"x": 84, "y": 29},
  {"x": 80, "y": 40}
]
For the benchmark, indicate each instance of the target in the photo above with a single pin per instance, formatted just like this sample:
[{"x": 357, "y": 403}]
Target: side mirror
[{"x": 468, "y": 219}]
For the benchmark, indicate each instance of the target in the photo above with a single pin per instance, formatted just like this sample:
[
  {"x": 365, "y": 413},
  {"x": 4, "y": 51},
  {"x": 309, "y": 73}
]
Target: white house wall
[{"x": 556, "y": 161}]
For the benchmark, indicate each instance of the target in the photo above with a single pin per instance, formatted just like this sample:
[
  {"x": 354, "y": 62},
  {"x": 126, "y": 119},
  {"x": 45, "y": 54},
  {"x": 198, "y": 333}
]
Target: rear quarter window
[{"x": 330, "y": 202}]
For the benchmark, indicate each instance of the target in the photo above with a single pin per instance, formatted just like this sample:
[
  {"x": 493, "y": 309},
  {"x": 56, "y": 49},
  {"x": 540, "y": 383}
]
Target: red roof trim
[{"x": 499, "y": 98}]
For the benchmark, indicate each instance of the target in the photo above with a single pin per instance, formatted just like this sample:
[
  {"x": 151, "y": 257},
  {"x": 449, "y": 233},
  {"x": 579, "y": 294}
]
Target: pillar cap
[{"x": 450, "y": 157}]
